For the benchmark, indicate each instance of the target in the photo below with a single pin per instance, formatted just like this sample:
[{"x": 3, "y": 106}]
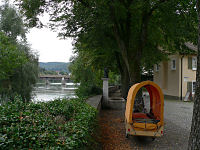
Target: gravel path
[{"x": 177, "y": 128}]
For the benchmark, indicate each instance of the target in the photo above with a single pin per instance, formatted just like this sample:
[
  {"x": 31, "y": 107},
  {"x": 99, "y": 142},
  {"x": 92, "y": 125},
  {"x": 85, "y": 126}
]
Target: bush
[
  {"x": 86, "y": 90},
  {"x": 59, "y": 124}
]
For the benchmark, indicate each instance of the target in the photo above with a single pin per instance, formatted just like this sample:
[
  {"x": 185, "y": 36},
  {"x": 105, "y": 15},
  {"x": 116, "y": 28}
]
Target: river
[{"x": 43, "y": 92}]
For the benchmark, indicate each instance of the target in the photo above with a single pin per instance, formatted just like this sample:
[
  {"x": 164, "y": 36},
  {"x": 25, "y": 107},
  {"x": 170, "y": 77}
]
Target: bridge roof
[{"x": 54, "y": 76}]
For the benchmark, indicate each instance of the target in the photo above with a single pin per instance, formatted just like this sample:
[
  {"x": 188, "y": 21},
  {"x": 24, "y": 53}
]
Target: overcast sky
[{"x": 49, "y": 47}]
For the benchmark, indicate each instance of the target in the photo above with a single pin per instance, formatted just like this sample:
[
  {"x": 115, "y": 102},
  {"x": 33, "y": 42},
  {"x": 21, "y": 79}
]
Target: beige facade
[{"x": 176, "y": 76}]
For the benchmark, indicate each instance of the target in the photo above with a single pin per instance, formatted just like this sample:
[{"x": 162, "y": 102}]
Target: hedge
[{"x": 59, "y": 124}]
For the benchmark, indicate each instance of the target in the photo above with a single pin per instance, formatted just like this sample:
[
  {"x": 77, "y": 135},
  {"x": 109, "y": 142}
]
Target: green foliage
[
  {"x": 25, "y": 76},
  {"x": 59, "y": 124},
  {"x": 18, "y": 69},
  {"x": 10, "y": 57},
  {"x": 114, "y": 79},
  {"x": 86, "y": 90},
  {"x": 140, "y": 32},
  {"x": 11, "y": 22},
  {"x": 88, "y": 77},
  {"x": 168, "y": 23},
  {"x": 18, "y": 65}
]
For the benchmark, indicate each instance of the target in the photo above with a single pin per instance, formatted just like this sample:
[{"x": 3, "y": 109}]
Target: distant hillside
[{"x": 55, "y": 66}]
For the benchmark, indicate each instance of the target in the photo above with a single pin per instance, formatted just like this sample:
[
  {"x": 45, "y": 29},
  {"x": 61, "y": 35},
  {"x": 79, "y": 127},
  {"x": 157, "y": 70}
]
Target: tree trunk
[
  {"x": 134, "y": 71},
  {"x": 125, "y": 80},
  {"x": 194, "y": 140},
  {"x": 131, "y": 57},
  {"x": 135, "y": 77}
]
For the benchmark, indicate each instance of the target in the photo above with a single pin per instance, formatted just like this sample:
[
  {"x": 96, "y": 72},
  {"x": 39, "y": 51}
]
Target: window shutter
[
  {"x": 189, "y": 62},
  {"x": 189, "y": 86},
  {"x": 194, "y": 63}
]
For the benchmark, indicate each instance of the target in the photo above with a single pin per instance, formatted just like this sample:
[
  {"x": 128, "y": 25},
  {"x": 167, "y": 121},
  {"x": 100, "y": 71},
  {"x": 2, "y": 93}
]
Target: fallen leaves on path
[{"x": 113, "y": 131}]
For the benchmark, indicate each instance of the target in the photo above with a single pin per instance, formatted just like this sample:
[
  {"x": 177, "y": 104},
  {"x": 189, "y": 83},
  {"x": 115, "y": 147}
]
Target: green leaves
[
  {"x": 134, "y": 29},
  {"x": 66, "y": 124},
  {"x": 10, "y": 57},
  {"x": 11, "y": 22},
  {"x": 18, "y": 65}
]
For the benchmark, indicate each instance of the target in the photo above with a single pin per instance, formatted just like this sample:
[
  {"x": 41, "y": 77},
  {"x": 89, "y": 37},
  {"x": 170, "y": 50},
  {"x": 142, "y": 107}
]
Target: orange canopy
[{"x": 156, "y": 100}]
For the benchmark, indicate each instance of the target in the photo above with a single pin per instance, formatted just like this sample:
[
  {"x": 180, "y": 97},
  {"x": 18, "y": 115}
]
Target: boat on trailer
[{"x": 145, "y": 123}]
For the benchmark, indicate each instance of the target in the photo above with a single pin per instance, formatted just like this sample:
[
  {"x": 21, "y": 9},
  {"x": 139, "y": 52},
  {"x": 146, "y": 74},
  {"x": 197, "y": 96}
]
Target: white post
[
  {"x": 105, "y": 91},
  {"x": 63, "y": 81}
]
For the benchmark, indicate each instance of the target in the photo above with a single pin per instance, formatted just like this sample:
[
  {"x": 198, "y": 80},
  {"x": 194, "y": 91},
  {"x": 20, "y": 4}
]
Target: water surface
[{"x": 43, "y": 92}]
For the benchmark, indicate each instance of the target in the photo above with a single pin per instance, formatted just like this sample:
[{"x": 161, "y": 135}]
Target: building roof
[
  {"x": 191, "y": 46},
  {"x": 190, "y": 49}
]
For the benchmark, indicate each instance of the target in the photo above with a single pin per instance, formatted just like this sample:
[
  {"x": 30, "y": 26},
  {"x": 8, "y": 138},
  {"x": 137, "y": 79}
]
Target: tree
[
  {"x": 137, "y": 29},
  {"x": 99, "y": 53},
  {"x": 25, "y": 76},
  {"x": 137, "y": 26},
  {"x": 88, "y": 76},
  {"x": 19, "y": 66},
  {"x": 194, "y": 140},
  {"x": 103, "y": 52},
  {"x": 10, "y": 57},
  {"x": 11, "y": 22}
]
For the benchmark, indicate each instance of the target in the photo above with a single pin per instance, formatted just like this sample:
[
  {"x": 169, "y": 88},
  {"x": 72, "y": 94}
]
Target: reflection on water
[{"x": 43, "y": 92}]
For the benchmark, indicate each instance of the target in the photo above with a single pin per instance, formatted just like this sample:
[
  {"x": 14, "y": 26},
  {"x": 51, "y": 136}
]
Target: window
[
  {"x": 157, "y": 67},
  {"x": 189, "y": 86},
  {"x": 193, "y": 86},
  {"x": 194, "y": 63},
  {"x": 173, "y": 64}
]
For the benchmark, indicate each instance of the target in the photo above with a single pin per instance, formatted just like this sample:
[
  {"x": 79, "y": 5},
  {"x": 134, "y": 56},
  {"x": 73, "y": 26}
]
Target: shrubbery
[
  {"x": 86, "y": 90},
  {"x": 59, "y": 124}
]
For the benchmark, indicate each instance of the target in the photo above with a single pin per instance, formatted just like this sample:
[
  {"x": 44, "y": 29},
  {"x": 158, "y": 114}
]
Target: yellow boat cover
[
  {"x": 146, "y": 126},
  {"x": 156, "y": 99}
]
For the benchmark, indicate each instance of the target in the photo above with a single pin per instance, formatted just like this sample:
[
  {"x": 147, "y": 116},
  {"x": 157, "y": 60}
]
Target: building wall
[
  {"x": 157, "y": 77},
  {"x": 189, "y": 75},
  {"x": 167, "y": 78},
  {"x": 170, "y": 80}
]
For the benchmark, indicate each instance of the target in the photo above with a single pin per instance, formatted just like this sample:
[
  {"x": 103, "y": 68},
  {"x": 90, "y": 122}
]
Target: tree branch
[{"x": 144, "y": 27}]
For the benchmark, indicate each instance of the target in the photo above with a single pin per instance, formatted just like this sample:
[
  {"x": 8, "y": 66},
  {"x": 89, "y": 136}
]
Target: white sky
[{"x": 49, "y": 47}]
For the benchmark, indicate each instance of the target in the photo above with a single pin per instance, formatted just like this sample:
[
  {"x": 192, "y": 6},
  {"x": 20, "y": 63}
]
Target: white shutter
[{"x": 194, "y": 63}]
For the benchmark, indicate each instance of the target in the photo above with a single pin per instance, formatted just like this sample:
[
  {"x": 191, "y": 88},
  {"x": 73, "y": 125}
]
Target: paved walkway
[{"x": 177, "y": 128}]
